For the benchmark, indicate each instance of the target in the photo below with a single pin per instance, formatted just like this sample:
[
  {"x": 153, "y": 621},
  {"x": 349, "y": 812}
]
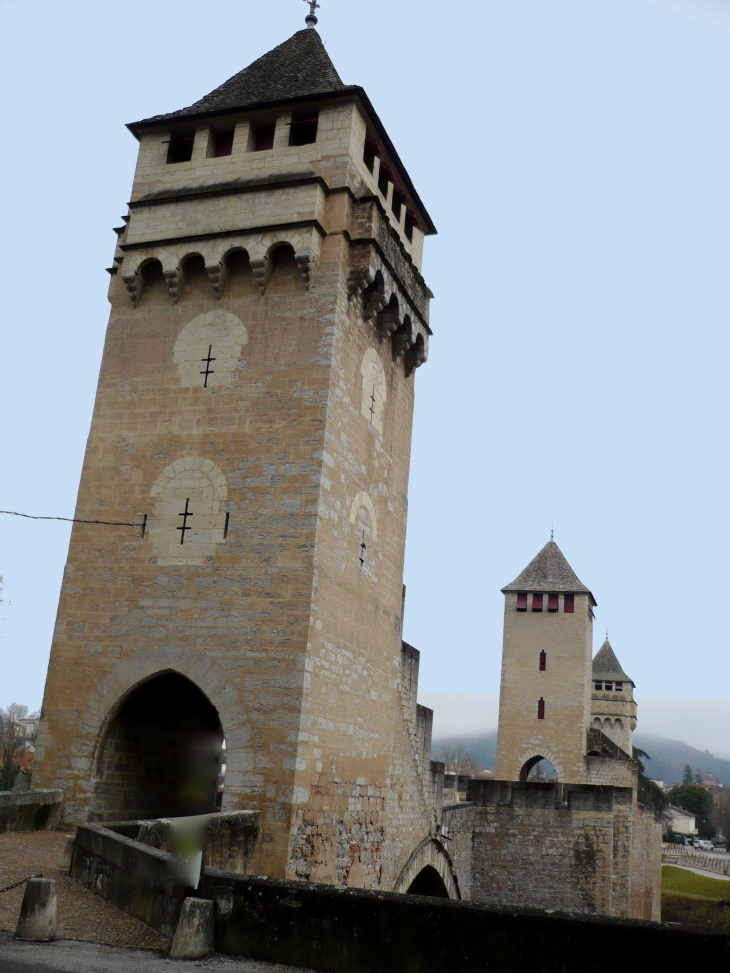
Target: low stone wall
[
  {"x": 30, "y": 810},
  {"x": 354, "y": 931},
  {"x": 128, "y": 863}
]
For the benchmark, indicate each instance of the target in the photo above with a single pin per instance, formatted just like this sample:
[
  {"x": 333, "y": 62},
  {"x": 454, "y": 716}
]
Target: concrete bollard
[
  {"x": 194, "y": 933},
  {"x": 38, "y": 913},
  {"x": 67, "y": 853}
]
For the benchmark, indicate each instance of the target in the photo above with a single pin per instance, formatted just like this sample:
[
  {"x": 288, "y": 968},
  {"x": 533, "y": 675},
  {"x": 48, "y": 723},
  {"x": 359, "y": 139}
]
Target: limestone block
[
  {"x": 38, "y": 913},
  {"x": 194, "y": 933}
]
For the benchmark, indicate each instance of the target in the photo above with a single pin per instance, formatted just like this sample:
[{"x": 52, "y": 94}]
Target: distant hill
[{"x": 668, "y": 757}]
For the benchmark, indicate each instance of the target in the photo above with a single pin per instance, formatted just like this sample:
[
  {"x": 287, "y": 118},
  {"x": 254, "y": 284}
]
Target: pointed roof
[
  {"x": 547, "y": 572},
  {"x": 298, "y": 68},
  {"x": 607, "y": 666}
]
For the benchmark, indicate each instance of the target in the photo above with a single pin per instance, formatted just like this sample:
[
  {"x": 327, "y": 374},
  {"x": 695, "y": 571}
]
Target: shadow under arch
[
  {"x": 159, "y": 753},
  {"x": 429, "y": 867}
]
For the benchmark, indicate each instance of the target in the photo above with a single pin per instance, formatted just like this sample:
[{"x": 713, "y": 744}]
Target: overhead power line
[{"x": 79, "y": 520}]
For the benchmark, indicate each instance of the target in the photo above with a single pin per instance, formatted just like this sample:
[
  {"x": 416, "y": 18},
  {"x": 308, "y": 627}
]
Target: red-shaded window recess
[
  {"x": 521, "y": 601},
  {"x": 541, "y": 709},
  {"x": 543, "y": 660},
  {"x": 223, "y": 144},
  {"x": 263, "y": 137},
  {"x": 537, "y": 603},
  {"x": 569, "y": 604},
  {"x": 552, "y": 603}
]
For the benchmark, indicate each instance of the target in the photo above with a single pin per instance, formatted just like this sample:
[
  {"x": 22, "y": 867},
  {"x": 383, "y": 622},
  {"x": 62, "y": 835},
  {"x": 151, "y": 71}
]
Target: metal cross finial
[
  {"x": 311, "y": 19},
  {"x": 552, "y": 533}
]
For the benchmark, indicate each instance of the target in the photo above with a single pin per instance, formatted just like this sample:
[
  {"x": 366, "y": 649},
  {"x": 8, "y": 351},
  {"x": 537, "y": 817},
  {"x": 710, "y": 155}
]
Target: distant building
[
  {"x": 680, "y": 821},
  {"x": 711, "y": 783}
]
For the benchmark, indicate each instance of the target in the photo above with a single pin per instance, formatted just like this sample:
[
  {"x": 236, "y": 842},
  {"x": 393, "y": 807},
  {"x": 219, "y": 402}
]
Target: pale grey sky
[{"x": 574, "y": 156}]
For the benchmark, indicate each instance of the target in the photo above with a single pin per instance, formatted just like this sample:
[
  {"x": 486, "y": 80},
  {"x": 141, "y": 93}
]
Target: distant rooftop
[
  {"x": 549, "y": 571},
  {"x": 607, "y": 666}
]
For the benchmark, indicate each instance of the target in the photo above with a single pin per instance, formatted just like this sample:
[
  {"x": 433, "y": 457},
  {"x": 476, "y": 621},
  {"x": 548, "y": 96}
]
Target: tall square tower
[
  {"x": 254, "y": 413},
  {"x": 545, "y": 694}
]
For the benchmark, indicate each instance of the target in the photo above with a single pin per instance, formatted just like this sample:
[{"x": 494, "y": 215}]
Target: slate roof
[
  {"x": 607, "y": 666},
  {"x": 298, "y": 68},
  {"x": 547, "y": 572}
]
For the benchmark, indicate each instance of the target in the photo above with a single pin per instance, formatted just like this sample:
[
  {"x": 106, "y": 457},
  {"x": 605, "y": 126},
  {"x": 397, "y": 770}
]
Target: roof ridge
[
  {"x": 299, "y": 67},
  {"x": 549, "y": 571}
]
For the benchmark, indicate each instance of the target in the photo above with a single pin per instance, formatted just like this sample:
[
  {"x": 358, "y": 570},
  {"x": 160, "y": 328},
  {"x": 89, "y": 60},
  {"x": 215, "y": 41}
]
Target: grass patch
[{"x": 678, "y": 881}]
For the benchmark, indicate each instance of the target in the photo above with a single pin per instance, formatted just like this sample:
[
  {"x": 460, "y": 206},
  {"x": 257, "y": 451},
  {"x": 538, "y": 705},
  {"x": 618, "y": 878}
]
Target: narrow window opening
[
  {"x": 223, "y": 144},
  {"x": 225, "y": 529},
  {"x": 384, "y": 181},
  {"x": 543, "y": 660},
  {"x": 537, "y": 603},
  {"x": 552, "y": 603},
  {"x": 303, "y": 130},
  {"x": 399, "y": 201},
  {"x": 207, "y": 362},
  {"x": 186, "y": 515},
  {"x": 541, "y": 709},
  {"x": 369, "y": 154},
  {"x": 608, "y": 687},
  {"x": 619, "y": 687},
  {"x": 409, "y": 228},
  {"x": 263, "y": 137},
  {"x": 522, "y": 601},
  {"x": 569, "y": 604},
  {"x": 180, "y": 149},
  {"x": 598, "y": 686}
]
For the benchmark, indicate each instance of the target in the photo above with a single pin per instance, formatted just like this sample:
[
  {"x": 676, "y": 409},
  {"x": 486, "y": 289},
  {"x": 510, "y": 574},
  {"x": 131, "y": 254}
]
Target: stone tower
[
  {"x": 545, "y": 694},
  {"x": 613, "y": 708},
  {"x": 254, "y": 412}
]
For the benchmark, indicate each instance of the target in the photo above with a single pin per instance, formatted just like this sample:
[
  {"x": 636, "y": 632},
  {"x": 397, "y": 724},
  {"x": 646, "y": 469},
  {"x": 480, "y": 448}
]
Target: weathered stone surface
[
  {"x": 33, "y": 810},
  {"x": 194, "y": 936},
  {"x": 38, "y": 913}
]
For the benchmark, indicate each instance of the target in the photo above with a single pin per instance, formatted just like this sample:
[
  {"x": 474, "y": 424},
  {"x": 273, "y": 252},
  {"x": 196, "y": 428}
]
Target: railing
[{"x": 696, "y": 859}]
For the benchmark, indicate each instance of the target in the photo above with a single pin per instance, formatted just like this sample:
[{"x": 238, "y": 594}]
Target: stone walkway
[
  {"x": 70, "y": 957},
  {"x": 81, "y": 914}
]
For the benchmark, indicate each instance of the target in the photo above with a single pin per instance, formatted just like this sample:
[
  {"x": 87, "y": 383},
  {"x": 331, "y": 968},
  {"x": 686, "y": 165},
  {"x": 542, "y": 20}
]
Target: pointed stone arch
[
  {"x": 529, "y": 758},
  {"x": 430, "y": 853}
]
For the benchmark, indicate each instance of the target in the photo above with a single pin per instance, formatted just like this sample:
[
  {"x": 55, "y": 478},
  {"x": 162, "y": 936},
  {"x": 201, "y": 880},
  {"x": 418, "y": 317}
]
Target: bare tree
[
  {"x": 12, "y": 740},
  {"x": 459, "y": 760}
]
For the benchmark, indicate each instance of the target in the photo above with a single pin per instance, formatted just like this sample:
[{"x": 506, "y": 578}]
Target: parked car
[{"x": 703, "y": 844}]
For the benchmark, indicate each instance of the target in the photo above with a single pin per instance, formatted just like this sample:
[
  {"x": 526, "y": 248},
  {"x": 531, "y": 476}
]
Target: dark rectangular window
[
  {"x": 409, "y": 228},
  {"x": 522, "y": 601},
  {"x": 537, "y": 603},
  {"x": 263, "y": 137},
  {"x": 303, "y": 130},
  {"x": 608, "y": 687},
  {"x": 619, "y": 687},
  {"x": 180, "y": 148},
  {"x": 541, "y": 709},
  {"x": 399, "y": 201},
  {"x": 369, "y": 154},
  {"x": 598, "y": 686},
  {"x": 552, "y": 603},
  {"x": 543, "y": 660},
  {"x": 569, "y": 604},
  {"x": 384, "y": 180},
  {"x": 223, "y": 144}
]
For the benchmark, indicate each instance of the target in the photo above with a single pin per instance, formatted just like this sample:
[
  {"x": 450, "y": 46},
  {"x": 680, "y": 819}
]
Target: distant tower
[
  {"x": 613, "y": 708},
  {"x": 255, "y": 403},
  {"x": 545, "y": 695}
]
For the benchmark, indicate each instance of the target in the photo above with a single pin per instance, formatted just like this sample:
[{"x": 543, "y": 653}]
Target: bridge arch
[{"x": 429, "y": 871}]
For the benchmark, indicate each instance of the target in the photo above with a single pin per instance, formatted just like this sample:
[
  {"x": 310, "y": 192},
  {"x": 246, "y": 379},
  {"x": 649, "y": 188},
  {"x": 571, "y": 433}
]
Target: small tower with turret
[
  {"x": 544, "y": 702},
  {"x": 613, "y": 708}
]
